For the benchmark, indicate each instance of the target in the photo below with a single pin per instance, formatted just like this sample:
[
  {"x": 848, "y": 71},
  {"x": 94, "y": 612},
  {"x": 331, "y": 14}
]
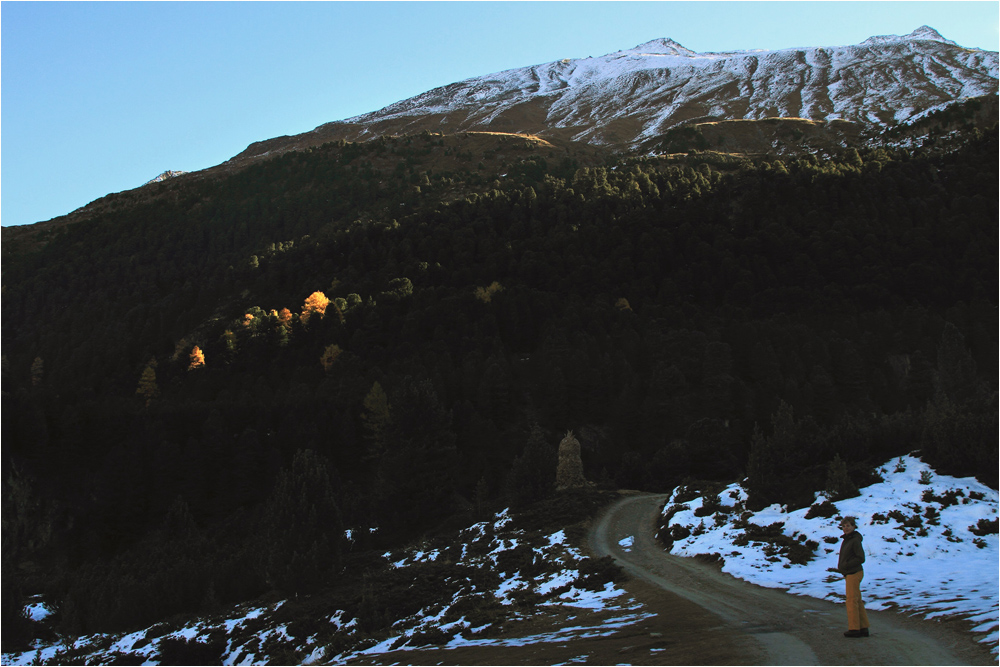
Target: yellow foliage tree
[
  {"x": 485, "y": 294},
  {"x": 329, "y": 356},
  {"x": 197, "y": 358},
  {"x": 315, "y": 303},
  {"x": 623, "y": 304}
]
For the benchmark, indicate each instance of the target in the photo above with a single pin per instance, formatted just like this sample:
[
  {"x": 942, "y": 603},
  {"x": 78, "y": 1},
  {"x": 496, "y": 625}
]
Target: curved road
[{"x": 789, "y": 629}]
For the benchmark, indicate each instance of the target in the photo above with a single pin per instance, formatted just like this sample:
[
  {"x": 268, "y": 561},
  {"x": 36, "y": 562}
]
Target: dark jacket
[{"x": 852, "y": 556}]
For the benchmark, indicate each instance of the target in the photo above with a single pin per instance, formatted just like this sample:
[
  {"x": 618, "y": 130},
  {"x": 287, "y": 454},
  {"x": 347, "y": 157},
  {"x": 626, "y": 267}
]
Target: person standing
[{"x": 852, "y": 557}]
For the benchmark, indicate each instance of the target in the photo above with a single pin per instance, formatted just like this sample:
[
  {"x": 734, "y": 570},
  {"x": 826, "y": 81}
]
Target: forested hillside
[{"x": 204, "y": 391}]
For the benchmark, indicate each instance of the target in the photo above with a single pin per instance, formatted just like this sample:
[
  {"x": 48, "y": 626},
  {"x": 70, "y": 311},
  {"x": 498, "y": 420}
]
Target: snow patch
[{"x": 917, "y": 527}]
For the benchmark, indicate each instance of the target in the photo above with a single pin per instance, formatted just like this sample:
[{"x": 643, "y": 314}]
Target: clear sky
[{"x": 101, "y": 97}]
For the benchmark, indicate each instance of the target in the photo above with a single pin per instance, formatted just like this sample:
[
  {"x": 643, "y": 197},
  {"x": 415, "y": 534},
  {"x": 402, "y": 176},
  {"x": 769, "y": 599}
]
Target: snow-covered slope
[
  {"x": 629, "y": 96},
  {"x": 491, "y": 577},
  {"x": 930, "y": 542}
]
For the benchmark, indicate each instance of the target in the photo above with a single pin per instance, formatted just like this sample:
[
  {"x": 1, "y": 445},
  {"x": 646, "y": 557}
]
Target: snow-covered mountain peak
[
  {"x": 633, "y": 96},
  {"x": 924, "y": 32},
  {"x": 664, "y": 46},
  {"x": 927, "y": 32},
  {"x": 167, "y": 175}
]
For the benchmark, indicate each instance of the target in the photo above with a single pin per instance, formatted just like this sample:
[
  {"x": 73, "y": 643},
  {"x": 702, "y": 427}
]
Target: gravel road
[{"x": 784, "y": 629}]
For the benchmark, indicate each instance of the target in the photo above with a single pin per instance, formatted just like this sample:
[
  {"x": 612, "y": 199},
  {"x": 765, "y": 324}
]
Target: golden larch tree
[
  {"x": 197, "y": 358},
  {"x": 285, "y": 318},
  {"x": 316, "y": 303}
]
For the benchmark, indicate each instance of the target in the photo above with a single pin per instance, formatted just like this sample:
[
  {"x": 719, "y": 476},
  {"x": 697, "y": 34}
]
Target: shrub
[
  {"x": 824, "y": 510},
  {"x": 596, "y": 572},
  {"x": 679, "y": 533},
  {"x": 947, "y": 499},
  {"x": 985, "y": 527},
  {"x": 838, "y": 482},
  {"x": 175, "y": 651}
]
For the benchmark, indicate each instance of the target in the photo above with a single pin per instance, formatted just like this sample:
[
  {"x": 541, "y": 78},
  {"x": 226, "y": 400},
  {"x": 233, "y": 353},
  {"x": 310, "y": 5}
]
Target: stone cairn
[{"x": 569, "y": 474}]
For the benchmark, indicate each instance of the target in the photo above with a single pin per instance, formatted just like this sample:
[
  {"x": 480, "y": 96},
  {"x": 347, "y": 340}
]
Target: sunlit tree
[
  {"x": 197, "y": 358},
  {"x": 485, "y": 294},
  {"x": 316, "y": 303}
]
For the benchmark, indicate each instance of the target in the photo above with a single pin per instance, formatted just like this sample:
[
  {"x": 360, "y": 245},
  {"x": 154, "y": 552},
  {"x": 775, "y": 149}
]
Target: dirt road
[{"x": 784, "y": 629}]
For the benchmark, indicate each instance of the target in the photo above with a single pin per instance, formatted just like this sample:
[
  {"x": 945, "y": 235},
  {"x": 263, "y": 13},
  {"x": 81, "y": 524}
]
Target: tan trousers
[{"x": 856, "y": 616}]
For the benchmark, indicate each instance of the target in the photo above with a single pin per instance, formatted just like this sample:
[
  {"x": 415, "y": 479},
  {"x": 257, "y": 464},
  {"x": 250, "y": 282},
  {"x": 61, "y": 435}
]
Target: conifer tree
[
  {"x": 37, "y": 371},
  {"x": 148, "y": 388},
  {"x": 569, "y": 473},
  {"x": 956, "y": 370},
  {"x": 303, "y": 532},
  {"x": 375, "y": 418},
  {"x": 760, "y": 471},
  {"x": 838, "y": 482},
  {"x": 533, "y": 474},
  {"x": 329, "y": 356}
]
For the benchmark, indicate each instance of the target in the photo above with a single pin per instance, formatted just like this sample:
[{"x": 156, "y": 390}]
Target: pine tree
[
  {"x": 569, "y": 473},
  {"x": 956, "y": 369},
  {"x": 148, "y": 388},
  {"x": 533, "y": 474},
  {"x": 375, "y": 418},
  {"x": 329, "y": 356},
  {"x": 37, "y": 371},
  {"x": 760, "y": 471},
  {"x": 838, "y": 483},
  {"x": 302, "y": 536}
]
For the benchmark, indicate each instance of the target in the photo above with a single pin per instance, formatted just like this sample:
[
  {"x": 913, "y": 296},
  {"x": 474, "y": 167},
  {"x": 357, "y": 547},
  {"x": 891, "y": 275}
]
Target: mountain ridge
[
  {"x": 627, "y": 97},
  {"x": 627, "y": 101}
]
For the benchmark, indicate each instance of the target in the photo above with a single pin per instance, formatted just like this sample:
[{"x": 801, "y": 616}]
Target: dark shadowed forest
[{"x": 224, "y": 390}]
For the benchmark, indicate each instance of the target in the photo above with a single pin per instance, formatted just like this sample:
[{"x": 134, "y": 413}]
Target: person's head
[{"x": 848, "y": 524}]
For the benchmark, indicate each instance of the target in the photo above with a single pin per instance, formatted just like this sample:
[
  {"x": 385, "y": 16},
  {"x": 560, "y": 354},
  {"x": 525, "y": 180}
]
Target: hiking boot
[{"x": 853, "y": 633}]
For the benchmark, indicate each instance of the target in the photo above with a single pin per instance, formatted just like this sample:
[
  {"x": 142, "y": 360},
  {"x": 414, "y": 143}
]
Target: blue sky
[{"x": 101, "y": 97}]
